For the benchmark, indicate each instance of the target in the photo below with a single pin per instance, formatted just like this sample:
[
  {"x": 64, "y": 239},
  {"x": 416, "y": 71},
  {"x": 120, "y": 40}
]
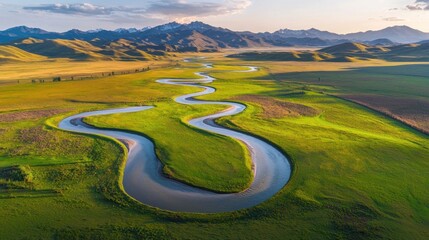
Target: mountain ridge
[
  {"x": 146, "y": 43},
  {"x": 396, "y": 34}
]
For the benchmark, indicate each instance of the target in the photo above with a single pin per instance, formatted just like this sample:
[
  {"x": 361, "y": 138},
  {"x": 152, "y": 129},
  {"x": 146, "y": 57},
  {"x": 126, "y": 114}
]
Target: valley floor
[{"x": 357, "y": 173}]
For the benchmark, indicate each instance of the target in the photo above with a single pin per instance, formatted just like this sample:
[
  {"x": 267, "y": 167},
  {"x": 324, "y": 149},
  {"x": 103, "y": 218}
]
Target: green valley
[{"x": 356, "y": 173}]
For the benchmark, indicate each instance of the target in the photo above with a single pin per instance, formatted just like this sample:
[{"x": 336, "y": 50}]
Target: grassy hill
[
  {"x": 59, "y": 48},
  {"x": 346, "y": 47},
  {"x": 10, "y": 53},
  {"x": 409, "y": 52},
  {"x": 353, "y": 48},
  {"x": 95, "y": 50},
  {"x": 193, "y": 41},
  {"x": 346, "y": 52},
  {"x": 304, "y": 56},
  {"x": 405, "y": 52},
  {"x": 125, "y": 50}
]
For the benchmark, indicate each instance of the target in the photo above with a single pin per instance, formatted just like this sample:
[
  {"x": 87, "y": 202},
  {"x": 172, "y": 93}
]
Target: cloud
[
  {"x": 181, "y": 10},
  {"x": 178, "y": 10},
  {"x": 393, "y": 19},
  {"x": 419, "y": 5},
  {"x": 74, "y": 9}
]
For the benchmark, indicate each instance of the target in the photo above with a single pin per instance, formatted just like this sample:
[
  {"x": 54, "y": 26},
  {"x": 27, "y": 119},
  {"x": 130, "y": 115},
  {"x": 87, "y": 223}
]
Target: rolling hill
[
  {"x": 301, "y": 56},
  {"x": 404, "y": 52},
  {"x": 11, "y": 53},
  {"x": 409, "y": 52},
  {"x": 60, "y": 48},
  {"x": 96, "y": 49},
  {"x": 346, "y": 52},
  {"x": 32, "y": 49}
]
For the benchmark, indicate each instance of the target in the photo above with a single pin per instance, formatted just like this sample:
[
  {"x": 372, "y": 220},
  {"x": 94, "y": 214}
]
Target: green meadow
[
  {"x": 188, "y": 154},
  {"x": 357, "y": 173}
]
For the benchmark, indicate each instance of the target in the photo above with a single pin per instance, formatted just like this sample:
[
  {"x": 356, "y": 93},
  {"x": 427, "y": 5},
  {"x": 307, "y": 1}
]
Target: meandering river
[{"x": 143, "y": 179}]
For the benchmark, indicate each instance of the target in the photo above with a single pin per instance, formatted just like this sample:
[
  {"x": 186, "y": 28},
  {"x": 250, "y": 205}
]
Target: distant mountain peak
[
  {"x": 200, "y": 26},
  {"x": 169, "y": 26},
  {"x": 75, "y": 31},
  {"x": 126, "y": 30},
  {"x": 310, "y": 33},
  {"x": 196, "y": 24},
  {"x": 130, "y": 30},
  {"x": 25, "y": 29},
  {"x": 95, "y": 30},
  {"x": 401, "y": 34},
  {"x": 401, "y": 27}
]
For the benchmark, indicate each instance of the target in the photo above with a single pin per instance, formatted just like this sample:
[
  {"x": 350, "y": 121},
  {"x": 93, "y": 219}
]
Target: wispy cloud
[
  {"x": 74, "y": 9},
  {"x": 419, "y": 5},
  {"x": 178, "y": 10},
  {"x": 393, "y": 19}
]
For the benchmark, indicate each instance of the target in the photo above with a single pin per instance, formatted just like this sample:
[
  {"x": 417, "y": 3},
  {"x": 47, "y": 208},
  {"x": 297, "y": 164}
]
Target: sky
[{"x": 341, "y": 16}]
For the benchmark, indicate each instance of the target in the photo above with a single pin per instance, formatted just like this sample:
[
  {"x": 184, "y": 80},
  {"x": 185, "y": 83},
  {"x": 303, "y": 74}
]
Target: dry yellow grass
[
  {"x": 34, "y": 70},
  {"x": 28, "y": 115},
  {"x": 274, "y": 108},
  {"x": 10, "y": 53},
  {"x": 413, "y": 112},
  {"x": 131, "y": 89}
]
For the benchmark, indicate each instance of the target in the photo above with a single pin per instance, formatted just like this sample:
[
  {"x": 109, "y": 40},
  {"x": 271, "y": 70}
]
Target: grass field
[
  {"x": 398, "y": 91},
  {"x": 357, "y": 173},
  {"x": 25, "y": 72},
  {"x": 188, "y": 154}
]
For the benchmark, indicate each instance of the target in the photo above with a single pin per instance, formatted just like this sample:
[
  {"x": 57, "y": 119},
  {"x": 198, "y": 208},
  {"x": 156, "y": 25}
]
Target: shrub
[{"x": 17, "y": 174}]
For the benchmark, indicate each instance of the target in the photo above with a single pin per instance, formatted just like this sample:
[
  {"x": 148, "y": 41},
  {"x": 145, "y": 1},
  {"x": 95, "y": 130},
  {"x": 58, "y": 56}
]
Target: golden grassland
[
  {"x": 11, "y": 72},
  {"x": 11, "y": 53}
]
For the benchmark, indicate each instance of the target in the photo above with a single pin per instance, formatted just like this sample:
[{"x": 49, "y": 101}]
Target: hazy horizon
[{"x": 238, "y": 15}]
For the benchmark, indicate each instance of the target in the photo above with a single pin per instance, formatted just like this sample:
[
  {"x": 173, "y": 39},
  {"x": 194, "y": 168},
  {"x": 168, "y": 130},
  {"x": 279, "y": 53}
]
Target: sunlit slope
[
  {"x": 59, "y": 48},
  {"x": 358, "y": 51},
  {"x": 346, "y": 52},
  {"x": 95, "y": 50},
  {"x": 353, "y": 52},
  {"x": 301, "y": 56},
  {"x": 10, "y": 53},
  {"x": 123, "y": 49}
]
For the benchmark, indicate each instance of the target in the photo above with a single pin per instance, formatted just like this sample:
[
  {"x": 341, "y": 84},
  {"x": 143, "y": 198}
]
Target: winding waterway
[{"x": 143, "y": 179}]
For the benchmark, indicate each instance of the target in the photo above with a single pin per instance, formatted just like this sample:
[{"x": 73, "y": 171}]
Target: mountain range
[
  {"x": 213, "y": 38},
  {"x": 28, "y": 44},
  {"x": 398, "y": 34}
]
